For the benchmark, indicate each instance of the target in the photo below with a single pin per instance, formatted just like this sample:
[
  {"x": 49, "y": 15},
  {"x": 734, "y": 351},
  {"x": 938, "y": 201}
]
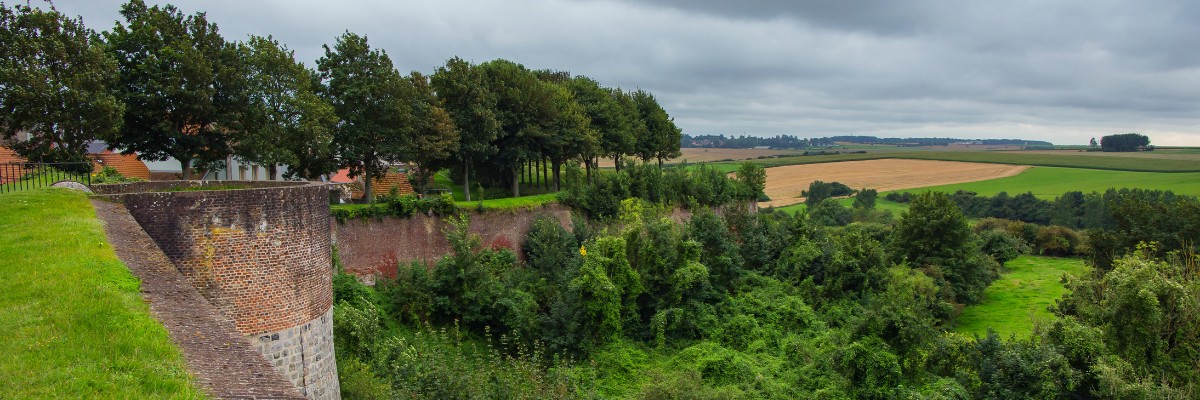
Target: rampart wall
[{"x": 261, "y": 255}]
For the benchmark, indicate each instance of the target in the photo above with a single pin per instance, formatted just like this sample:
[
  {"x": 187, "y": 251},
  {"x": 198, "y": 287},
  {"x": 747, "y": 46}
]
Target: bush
[
  {"x": 830, "y": 213},
  {"x": 1059, "y": 241},
  {"x": 1002, "y": 246}
]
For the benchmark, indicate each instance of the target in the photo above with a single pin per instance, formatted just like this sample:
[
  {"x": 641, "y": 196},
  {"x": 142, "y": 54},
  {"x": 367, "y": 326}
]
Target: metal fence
[{"x": 28, "y": 175}]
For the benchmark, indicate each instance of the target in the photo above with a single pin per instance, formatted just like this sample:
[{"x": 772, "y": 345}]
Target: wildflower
[{"x": 583, "y": 251}]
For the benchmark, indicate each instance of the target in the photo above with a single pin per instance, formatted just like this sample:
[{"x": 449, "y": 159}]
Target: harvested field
[
  {"x": 696, "y": 155},
  {"x": 784, "y": 184}
]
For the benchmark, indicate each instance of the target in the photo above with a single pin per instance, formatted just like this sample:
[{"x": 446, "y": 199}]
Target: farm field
[
  {"x": 698, "y": 155},
  {"x": 1019, "y": 297},
  {"x": 1050, "y": 182},
  {"x": 1172, "y": 160},
  {"x": 784, "y": 184}
]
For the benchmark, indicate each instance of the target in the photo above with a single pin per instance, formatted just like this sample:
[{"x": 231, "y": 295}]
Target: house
[
  {"x": 396, "y": 177},
  {"x": 127, "y": 165}
]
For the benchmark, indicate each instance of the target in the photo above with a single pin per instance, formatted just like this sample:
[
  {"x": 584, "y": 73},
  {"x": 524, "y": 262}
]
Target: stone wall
[
  {"x": 369, "y": 246},
  {"x": 260, "y": 255}
]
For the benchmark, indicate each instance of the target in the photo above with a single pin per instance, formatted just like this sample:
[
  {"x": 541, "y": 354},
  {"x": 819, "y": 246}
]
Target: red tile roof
[
  {"x": 383, "y": 185},
  {"x": 10, "y": 174},
  {"x": 127, "y": 165}
]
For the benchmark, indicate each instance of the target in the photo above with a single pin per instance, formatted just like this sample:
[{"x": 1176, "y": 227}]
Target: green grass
[
  {"x": 1049, "y": 182},
  {"x": 74, "y": 324},
  {"x": 1048, "y": 159},
  {"x": 1019, "y": 297},
  {"x": 511, "y": 202}
]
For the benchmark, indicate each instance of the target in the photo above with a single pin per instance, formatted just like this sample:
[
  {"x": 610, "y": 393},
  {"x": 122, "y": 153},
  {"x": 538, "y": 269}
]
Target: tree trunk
[
  {"x": 546, "y": 173},
  {"x": 617, "y": 161},
  {"x": 467, "y": 180},
  {"x": 537, "y": 173},
  {"x": 185, "y": 168},
  {"x": 368, "y": 194},
  {"x": 516, "y": 182},
  {"x": 587, "y": 166},
  {"x": 272, "y": 172},
  {"x": 557, "y": 165}
]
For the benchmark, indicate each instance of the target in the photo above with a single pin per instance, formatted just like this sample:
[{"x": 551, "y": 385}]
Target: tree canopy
[
  {"x": 182, "y": 85},
  {"x": 55, "y": 84}
]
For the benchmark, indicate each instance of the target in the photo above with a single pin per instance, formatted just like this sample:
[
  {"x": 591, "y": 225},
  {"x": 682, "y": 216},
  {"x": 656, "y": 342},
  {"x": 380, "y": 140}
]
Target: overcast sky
[{"x": 1063, "y": 71}]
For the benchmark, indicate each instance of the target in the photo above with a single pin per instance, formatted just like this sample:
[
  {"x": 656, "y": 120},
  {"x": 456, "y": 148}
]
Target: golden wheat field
[{"x": 784, "y": 184}]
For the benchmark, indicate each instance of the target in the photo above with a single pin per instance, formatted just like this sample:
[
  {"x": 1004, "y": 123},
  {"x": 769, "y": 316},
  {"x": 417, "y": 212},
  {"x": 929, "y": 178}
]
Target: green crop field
[
  {"x": 1175, "y": 160},
  {"x": 74, "y": 322},
  {"x": 1020, "y": 296},
  {"x": 1050, "y": 182}
]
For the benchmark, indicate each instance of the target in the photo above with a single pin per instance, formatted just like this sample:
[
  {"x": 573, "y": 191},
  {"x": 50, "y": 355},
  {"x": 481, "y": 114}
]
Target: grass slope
[
  {"x": 74, "y": 324},
  {"x": 1019, "y": 297}
]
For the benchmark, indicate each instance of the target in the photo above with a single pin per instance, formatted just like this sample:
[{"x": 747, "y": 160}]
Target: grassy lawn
[
  {"x": 74, "y": 323},
  {"x": 1019, "y": 297},
  {"x": 1049, "y": 182},
  {"x": 1169, "y": 161}
]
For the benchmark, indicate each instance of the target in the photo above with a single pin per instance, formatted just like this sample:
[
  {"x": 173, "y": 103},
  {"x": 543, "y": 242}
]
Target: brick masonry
[
  {"x": 370, "y": 246},
  {"x": 261, "y": 256}
]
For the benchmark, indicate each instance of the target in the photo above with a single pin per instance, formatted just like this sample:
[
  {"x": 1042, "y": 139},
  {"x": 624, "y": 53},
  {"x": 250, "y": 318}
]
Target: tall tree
[
  {"x": 570, "y": 133},
  {"x": 286, "y": 121},
  {"x": 55, "y": 79},
  {"x": 467, "y": 98},
  {"x": 619, "y": 143},
  {"x": 662, "y": 138},
  {"x": 611, "y": 123},
  {"x": 522, "y": 102},
  {"x": 181, "y": 83},
  {"x": 434, "y": 135},
  {"x": 369, "y": 98}
]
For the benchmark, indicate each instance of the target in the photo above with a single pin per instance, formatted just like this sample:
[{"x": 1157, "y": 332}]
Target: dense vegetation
[
  {"x": 1125, "y": 142},
  {"x": 773, "y": 305},
  {"x": 74, "y": 321}
]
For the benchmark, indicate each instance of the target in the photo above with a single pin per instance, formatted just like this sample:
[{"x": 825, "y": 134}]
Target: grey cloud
[{"x": 1066, "y": 70}]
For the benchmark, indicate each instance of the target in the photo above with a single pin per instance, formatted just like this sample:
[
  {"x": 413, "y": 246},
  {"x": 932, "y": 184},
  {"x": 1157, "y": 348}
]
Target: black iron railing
[{"x": 28, "y": 175}]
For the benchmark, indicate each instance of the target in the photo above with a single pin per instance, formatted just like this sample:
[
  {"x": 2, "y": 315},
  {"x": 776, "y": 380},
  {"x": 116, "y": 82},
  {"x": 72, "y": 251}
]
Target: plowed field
[{"x": 784, "y": 184}]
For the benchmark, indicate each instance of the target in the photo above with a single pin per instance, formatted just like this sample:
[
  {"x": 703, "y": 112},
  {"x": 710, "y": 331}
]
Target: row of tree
[{"x": 163, "y": 84}]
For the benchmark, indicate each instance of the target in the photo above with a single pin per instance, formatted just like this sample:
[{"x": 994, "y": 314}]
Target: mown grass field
[
  {"x": 1050, "y": 182},
  {"x": 74, "y": 324},
  {"x": 1182, "y": 160},
  {"x": 1019, "y": 297}
]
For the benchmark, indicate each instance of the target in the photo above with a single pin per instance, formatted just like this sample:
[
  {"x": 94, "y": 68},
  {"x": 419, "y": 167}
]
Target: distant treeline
[{"x": 793, "y": 142}]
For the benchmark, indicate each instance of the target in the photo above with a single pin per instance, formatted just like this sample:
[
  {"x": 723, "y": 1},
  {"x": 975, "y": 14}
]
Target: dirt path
[
  {"x": 224, "y": 364},
  {"x": 784, "y": 184}
]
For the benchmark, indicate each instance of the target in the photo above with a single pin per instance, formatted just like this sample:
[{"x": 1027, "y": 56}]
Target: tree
[
  {"x": 569, "y": 130},
  {"x": 662, "y": 138},
  {"x": 369, "y": 98},
  {"x": 55, "y": 80},
  {"x": 865, "y": 199},
  {"x": 286, "y": 121},
  {"x": 435, "y": 136},
  {"x": 1093, "y": 143},
  {"x": 1124, "y": 142},
  {"x": 612, "y": 123},
  {"x": 616, "y": 144},
  {"x": 181, "y": 83},
  {"x": 467, "y": 98},
  {"x": 934, "y": 234},
  {"x": 524, "y": 108},
  {"x": 754, "y": 178}
]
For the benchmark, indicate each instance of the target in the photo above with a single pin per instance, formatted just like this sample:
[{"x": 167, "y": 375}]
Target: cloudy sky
[{"x": 1063, "y": 71}]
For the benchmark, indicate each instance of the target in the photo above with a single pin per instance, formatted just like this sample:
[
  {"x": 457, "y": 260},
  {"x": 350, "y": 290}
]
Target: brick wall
[
  {"x": 369, "y": 246},
  {"x": 260, "y": 255}
]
